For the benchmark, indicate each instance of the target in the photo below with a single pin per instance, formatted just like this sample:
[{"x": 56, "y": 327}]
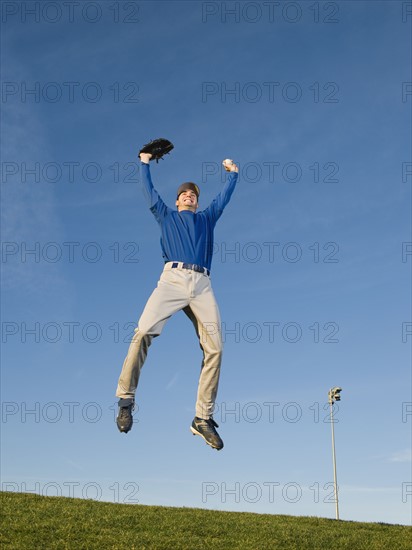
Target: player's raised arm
[
  {"x": 154, "y": 150},
  {"x": 156, "y": 204},
  {"x": 216, "y": 207}
]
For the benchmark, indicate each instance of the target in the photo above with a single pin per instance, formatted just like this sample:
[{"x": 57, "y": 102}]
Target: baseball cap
[{"x": 188, "y": 185}]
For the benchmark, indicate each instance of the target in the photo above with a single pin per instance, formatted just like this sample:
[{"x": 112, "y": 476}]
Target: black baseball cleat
[
  {"x": 206, "y": 429},
  {"x": 124, "y": 418}
]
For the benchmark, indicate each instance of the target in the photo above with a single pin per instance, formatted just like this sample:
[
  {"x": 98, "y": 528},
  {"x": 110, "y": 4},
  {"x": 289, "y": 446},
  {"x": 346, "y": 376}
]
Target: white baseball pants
[{"x": 177, "y": 289}]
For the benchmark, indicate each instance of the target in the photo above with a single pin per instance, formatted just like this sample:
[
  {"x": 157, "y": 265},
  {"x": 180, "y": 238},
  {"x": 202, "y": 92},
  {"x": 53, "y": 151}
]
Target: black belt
[{"x": 193, "y": 267}]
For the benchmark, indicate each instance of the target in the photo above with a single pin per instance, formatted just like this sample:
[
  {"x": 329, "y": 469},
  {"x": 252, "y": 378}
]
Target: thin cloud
[{"x": 401, "y": 456}]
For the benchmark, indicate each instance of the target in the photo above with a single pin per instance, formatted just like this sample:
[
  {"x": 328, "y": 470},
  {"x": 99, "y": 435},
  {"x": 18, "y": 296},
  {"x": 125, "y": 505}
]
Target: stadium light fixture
[{"x": 334, "y": 395}]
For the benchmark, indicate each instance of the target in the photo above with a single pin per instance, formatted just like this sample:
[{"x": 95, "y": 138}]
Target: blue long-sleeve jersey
[{"x": 187, "y": 236}]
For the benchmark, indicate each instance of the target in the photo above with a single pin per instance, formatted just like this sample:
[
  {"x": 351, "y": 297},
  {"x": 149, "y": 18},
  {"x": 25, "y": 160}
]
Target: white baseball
[{"x": 227, "y": 162}]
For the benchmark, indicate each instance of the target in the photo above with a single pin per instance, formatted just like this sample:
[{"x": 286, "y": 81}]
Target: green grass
[{"x": 48, "y": 523}]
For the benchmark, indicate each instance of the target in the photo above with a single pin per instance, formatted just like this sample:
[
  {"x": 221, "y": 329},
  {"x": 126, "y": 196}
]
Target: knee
[
  {"x": 142, "y": 332},
  {"x": 214, "y": 355}
]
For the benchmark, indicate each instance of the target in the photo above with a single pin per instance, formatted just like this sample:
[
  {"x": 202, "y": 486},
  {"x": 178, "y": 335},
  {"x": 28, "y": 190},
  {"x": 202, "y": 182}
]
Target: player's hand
[
  {"x": 145, "y": 157},
  {"x": 230, "y": 166}
]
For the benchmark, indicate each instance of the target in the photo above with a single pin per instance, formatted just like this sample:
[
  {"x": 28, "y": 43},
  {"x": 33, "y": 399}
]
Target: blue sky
[{"x": 311, "y": 266}]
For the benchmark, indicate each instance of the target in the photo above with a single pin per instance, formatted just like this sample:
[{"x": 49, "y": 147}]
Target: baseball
[{"x": 227, "y": 163}]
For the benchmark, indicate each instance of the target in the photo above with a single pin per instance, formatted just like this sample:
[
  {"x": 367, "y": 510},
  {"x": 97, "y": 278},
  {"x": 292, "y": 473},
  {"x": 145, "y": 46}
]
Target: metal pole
[{"x": 335, "y": 481}]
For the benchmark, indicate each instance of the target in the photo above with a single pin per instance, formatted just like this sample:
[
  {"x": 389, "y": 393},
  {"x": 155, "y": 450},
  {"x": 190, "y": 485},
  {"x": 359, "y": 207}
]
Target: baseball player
[{"x": 187, "y": 246}]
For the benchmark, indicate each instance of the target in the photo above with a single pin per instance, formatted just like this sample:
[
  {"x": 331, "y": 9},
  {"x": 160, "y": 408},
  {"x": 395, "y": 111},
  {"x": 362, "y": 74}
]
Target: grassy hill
[{"x": 48, "y": 523}]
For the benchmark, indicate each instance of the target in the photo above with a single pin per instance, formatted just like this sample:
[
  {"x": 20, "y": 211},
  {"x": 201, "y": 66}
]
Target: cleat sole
[{"x": 195, "y": 432}]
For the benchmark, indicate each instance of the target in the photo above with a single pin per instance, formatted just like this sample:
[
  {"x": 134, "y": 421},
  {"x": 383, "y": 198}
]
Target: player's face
[{"x": 187, "y": 201}]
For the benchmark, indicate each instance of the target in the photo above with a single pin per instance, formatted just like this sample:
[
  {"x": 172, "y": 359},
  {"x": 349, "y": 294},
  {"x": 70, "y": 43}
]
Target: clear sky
[{"x": 312, "y": 256}]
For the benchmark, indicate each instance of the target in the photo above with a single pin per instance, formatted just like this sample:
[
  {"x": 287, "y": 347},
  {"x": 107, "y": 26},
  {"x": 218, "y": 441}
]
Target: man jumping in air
[{"x": 187, "y": 246}]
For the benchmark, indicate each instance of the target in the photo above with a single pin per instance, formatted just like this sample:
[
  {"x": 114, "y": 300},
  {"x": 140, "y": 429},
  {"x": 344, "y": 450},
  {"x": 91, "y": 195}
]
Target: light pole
[{"x": 334, "y": 395}]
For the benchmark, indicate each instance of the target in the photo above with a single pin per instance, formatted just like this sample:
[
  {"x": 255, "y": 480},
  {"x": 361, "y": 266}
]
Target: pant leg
[
  {"x": 170, "y": 296},
  {"x": 203, "y": 311}
]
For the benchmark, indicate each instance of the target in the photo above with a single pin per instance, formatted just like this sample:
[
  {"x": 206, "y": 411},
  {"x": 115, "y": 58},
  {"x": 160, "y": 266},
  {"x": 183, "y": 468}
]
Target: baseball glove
[{"x": 157, "y": 148}]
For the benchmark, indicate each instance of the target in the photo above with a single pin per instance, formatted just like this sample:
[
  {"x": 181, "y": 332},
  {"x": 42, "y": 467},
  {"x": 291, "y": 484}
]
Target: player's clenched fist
[{"x": 230, "y": 166}]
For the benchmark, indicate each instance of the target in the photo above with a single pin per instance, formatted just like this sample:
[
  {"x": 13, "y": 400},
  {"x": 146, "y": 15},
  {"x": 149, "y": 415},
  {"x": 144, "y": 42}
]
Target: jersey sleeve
[
  {"x": 219, "y": 203},
  {"x": 158, "y": 208}
]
